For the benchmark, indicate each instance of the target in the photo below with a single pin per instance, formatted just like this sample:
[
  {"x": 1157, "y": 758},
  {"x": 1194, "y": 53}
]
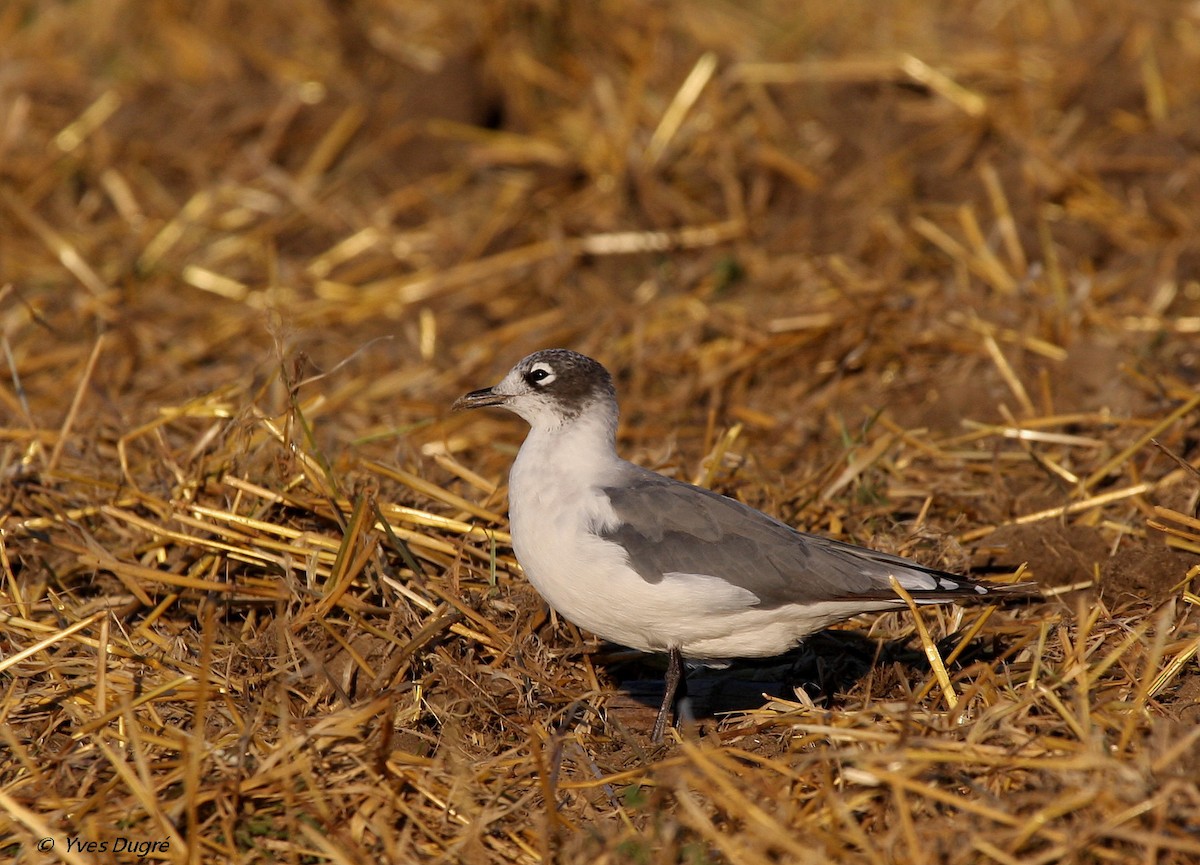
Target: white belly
[
  {"x": 556, "y": 507},
  {"x": 587, "y": 580}
]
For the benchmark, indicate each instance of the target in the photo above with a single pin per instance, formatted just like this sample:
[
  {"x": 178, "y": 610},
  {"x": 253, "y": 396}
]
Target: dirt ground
[{"x": 919, "y": 276}]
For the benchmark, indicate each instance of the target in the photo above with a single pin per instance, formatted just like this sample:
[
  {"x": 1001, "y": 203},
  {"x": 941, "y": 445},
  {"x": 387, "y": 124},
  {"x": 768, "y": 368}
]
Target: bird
[{"x": 662, "y": 566}]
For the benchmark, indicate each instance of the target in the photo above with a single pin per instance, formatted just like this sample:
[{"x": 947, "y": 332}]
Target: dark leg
[{"x": 675, "y": 677}]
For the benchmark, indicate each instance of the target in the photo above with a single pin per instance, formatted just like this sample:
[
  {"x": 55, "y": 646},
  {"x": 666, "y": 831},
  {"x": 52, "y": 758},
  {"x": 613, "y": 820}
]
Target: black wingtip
[
  {"x": 957, "y": 590},
  {"x": 971, "y": 591}
]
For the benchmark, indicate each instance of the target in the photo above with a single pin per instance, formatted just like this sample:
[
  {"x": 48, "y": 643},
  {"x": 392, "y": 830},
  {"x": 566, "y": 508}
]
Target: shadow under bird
[{"x": 659, "y": 565}]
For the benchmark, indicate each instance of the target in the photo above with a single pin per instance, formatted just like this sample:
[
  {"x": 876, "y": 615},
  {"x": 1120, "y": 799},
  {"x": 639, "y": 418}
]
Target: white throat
[{"x": 580, "y": 452}]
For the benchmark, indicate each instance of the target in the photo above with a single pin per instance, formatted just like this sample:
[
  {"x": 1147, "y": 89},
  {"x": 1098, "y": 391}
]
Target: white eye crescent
[{"x": 540, "y": 375}]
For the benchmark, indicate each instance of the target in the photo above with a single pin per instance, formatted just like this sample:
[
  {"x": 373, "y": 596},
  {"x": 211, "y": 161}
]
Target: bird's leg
[{"x": 675, "y": 677}]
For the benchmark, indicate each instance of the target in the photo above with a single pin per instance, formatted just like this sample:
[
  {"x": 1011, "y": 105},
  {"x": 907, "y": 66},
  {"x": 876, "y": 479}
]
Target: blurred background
[{"x": 774, "y": 210}]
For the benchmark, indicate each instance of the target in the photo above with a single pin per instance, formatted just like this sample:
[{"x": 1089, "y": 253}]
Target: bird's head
[{"x": 550, "y": 389}]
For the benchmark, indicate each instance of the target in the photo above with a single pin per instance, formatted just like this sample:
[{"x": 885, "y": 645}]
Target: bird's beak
[{"x": 479, "y": 399}]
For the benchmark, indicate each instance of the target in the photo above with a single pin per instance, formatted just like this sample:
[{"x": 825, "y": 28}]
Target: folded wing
[{"x": 667, "y": 526}]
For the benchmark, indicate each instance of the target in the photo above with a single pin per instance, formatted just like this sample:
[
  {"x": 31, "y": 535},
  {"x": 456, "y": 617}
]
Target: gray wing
[{"x": 667, "y": 527}]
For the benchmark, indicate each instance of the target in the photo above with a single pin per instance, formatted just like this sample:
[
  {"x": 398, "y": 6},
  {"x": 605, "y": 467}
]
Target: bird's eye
[{"x": 540, "y": 376}]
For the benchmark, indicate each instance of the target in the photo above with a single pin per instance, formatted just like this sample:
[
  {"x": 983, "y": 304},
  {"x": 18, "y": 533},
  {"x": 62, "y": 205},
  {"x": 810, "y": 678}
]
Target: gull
[{"x": 660, "y": 565}]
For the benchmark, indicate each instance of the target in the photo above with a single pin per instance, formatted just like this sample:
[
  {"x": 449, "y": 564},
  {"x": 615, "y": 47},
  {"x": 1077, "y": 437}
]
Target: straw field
[{"x": 923, "y": 276}]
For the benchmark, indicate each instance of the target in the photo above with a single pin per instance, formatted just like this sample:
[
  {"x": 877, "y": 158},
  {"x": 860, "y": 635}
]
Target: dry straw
[{"x": 876, "y": 269}]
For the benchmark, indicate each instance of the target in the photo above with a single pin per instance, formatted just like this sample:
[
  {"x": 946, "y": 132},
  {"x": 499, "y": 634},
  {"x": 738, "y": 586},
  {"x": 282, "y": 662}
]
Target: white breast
[{"x": 555, "y": 501}]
